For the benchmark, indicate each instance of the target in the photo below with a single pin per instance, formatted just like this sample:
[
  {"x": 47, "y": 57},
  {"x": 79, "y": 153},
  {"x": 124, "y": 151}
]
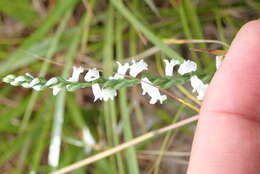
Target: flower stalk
[{"x": 106, "y": 88}]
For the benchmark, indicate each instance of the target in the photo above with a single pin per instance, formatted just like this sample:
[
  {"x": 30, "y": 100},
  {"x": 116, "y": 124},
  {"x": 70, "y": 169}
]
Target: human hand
[{"x": 227, "y": 139}]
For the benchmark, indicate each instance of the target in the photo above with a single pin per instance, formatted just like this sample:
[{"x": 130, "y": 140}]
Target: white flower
[
  {"x": 51, "y": 81},
  {"x": 218, "y": 61},
  {"x": 56, "y": 89},
  {"x": 26, "y": 85},
  {"x": 29, "y": 75},
  {"x": 9, "y": 78},
  {"x": 37, "y": 87},
  {"x": 34, "y": 82},
  {"x": 91, "y": 75},
  {"x": 169, "y": 65},
  {"x": 152, "y": 91},
  {"x": 137, "y": 67},
  {"x": 108, "y": 94},
  {"x": 121, "y": 71},
  {"x": 76, "y": 73},
  {"x": 103, "y": 94},
  {"x": 202, "y": 92},
  {"x": 17, "y": 80},
  {"x": 97, "y": 92},
  {"x": 198, "y": 86},
  {"x": 187, "y": 67}
]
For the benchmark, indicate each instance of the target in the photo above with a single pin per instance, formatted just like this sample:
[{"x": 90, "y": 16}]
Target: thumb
[{"x": 227, "y": 138}]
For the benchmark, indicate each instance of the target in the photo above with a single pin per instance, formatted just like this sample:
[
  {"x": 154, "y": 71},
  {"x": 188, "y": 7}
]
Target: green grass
[{"x": 48, "y": 39}]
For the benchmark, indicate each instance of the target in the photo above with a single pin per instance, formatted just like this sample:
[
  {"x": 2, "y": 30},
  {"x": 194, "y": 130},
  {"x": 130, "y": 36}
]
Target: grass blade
[
  {"x": 55, "y": 146},
  {"x": 150, "y": 36}
]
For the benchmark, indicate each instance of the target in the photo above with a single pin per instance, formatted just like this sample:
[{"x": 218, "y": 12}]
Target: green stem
[
  {"x": 109, "y": 107},
  {"x": 128, "y": 135},
  {"x": 55, "y": 145}
]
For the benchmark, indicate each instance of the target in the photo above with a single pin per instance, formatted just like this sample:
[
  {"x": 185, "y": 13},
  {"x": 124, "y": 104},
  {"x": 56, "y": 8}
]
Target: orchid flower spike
[
  {"x": 137, "y": 67},
  {"x": 198, "y": 86},
  {"x": 152, "y": 91},
  {"x": 169, "y": 65},
  {"x": 92, "y": 75},
  {"x": 76, "y": 73},
  {"x": 219, "y": 61},
  {"x": 187, "y": 67}
]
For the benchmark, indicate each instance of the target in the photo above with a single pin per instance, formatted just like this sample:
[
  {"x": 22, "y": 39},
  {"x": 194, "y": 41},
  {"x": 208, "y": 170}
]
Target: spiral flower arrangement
[{"x": 105, "y": 89}]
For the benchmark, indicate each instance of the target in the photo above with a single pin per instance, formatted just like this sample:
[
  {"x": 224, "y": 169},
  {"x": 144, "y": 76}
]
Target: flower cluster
[{"x": 92, "y": 78}]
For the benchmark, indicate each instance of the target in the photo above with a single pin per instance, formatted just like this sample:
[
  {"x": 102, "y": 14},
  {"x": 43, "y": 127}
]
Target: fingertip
[
  {"x": 235, "y": 86},
  {"x": 226, "y": 134},
  {"x": 251, "y": 26}
]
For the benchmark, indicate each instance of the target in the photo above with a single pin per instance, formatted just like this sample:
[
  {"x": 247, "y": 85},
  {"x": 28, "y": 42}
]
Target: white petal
[
  {"x": 145, "y": 85},
  {"x": 17, "y": 80},
  {"x": 152, "y": 91},
  {"x": 108, "y": 94},
  {"x": 9, "y": 78},
  {"x": 103, "y": 94},
  {"x": 196, "y": 83},
  {"x": 91, "y": 75},
  {"x": 169, "y": 65},
  {"x": 187, "y": 67},
  {"x": 218, "y": 61},
  {"x": 20, "y": 79},
  {"x": 56, "y": 90},
  {"x": 97, "y": 92},
  {"x": 116, "y": 76},
  {"x": 198, "y": 86},
  {"x": 34, "y": 82},
  {"x": 37, "y": 87},
  {"x": 202, "y": 92},
  {"x": 29, "y": 75},
  {"x": 121, "y": 70},
  {"x": 137, "y": 67},
  {"x": 76, "y": 73},
  {"x": 51, "y": 81},
  {"x": 26, "y": 85}
]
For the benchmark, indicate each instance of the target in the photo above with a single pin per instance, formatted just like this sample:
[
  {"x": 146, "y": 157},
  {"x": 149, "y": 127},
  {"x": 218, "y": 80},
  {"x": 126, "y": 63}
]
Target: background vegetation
[{"x": 47, "y": 37}]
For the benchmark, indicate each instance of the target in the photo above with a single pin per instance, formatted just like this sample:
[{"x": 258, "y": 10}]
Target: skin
[{"x": 227, "y": 138}]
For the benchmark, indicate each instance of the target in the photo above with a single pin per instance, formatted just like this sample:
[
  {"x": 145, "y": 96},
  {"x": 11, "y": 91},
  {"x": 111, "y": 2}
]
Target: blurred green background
[{"x": 47, "y": 37}]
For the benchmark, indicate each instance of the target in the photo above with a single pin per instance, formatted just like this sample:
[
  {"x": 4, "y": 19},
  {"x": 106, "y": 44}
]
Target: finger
[{"x": 227, "y": 138}]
